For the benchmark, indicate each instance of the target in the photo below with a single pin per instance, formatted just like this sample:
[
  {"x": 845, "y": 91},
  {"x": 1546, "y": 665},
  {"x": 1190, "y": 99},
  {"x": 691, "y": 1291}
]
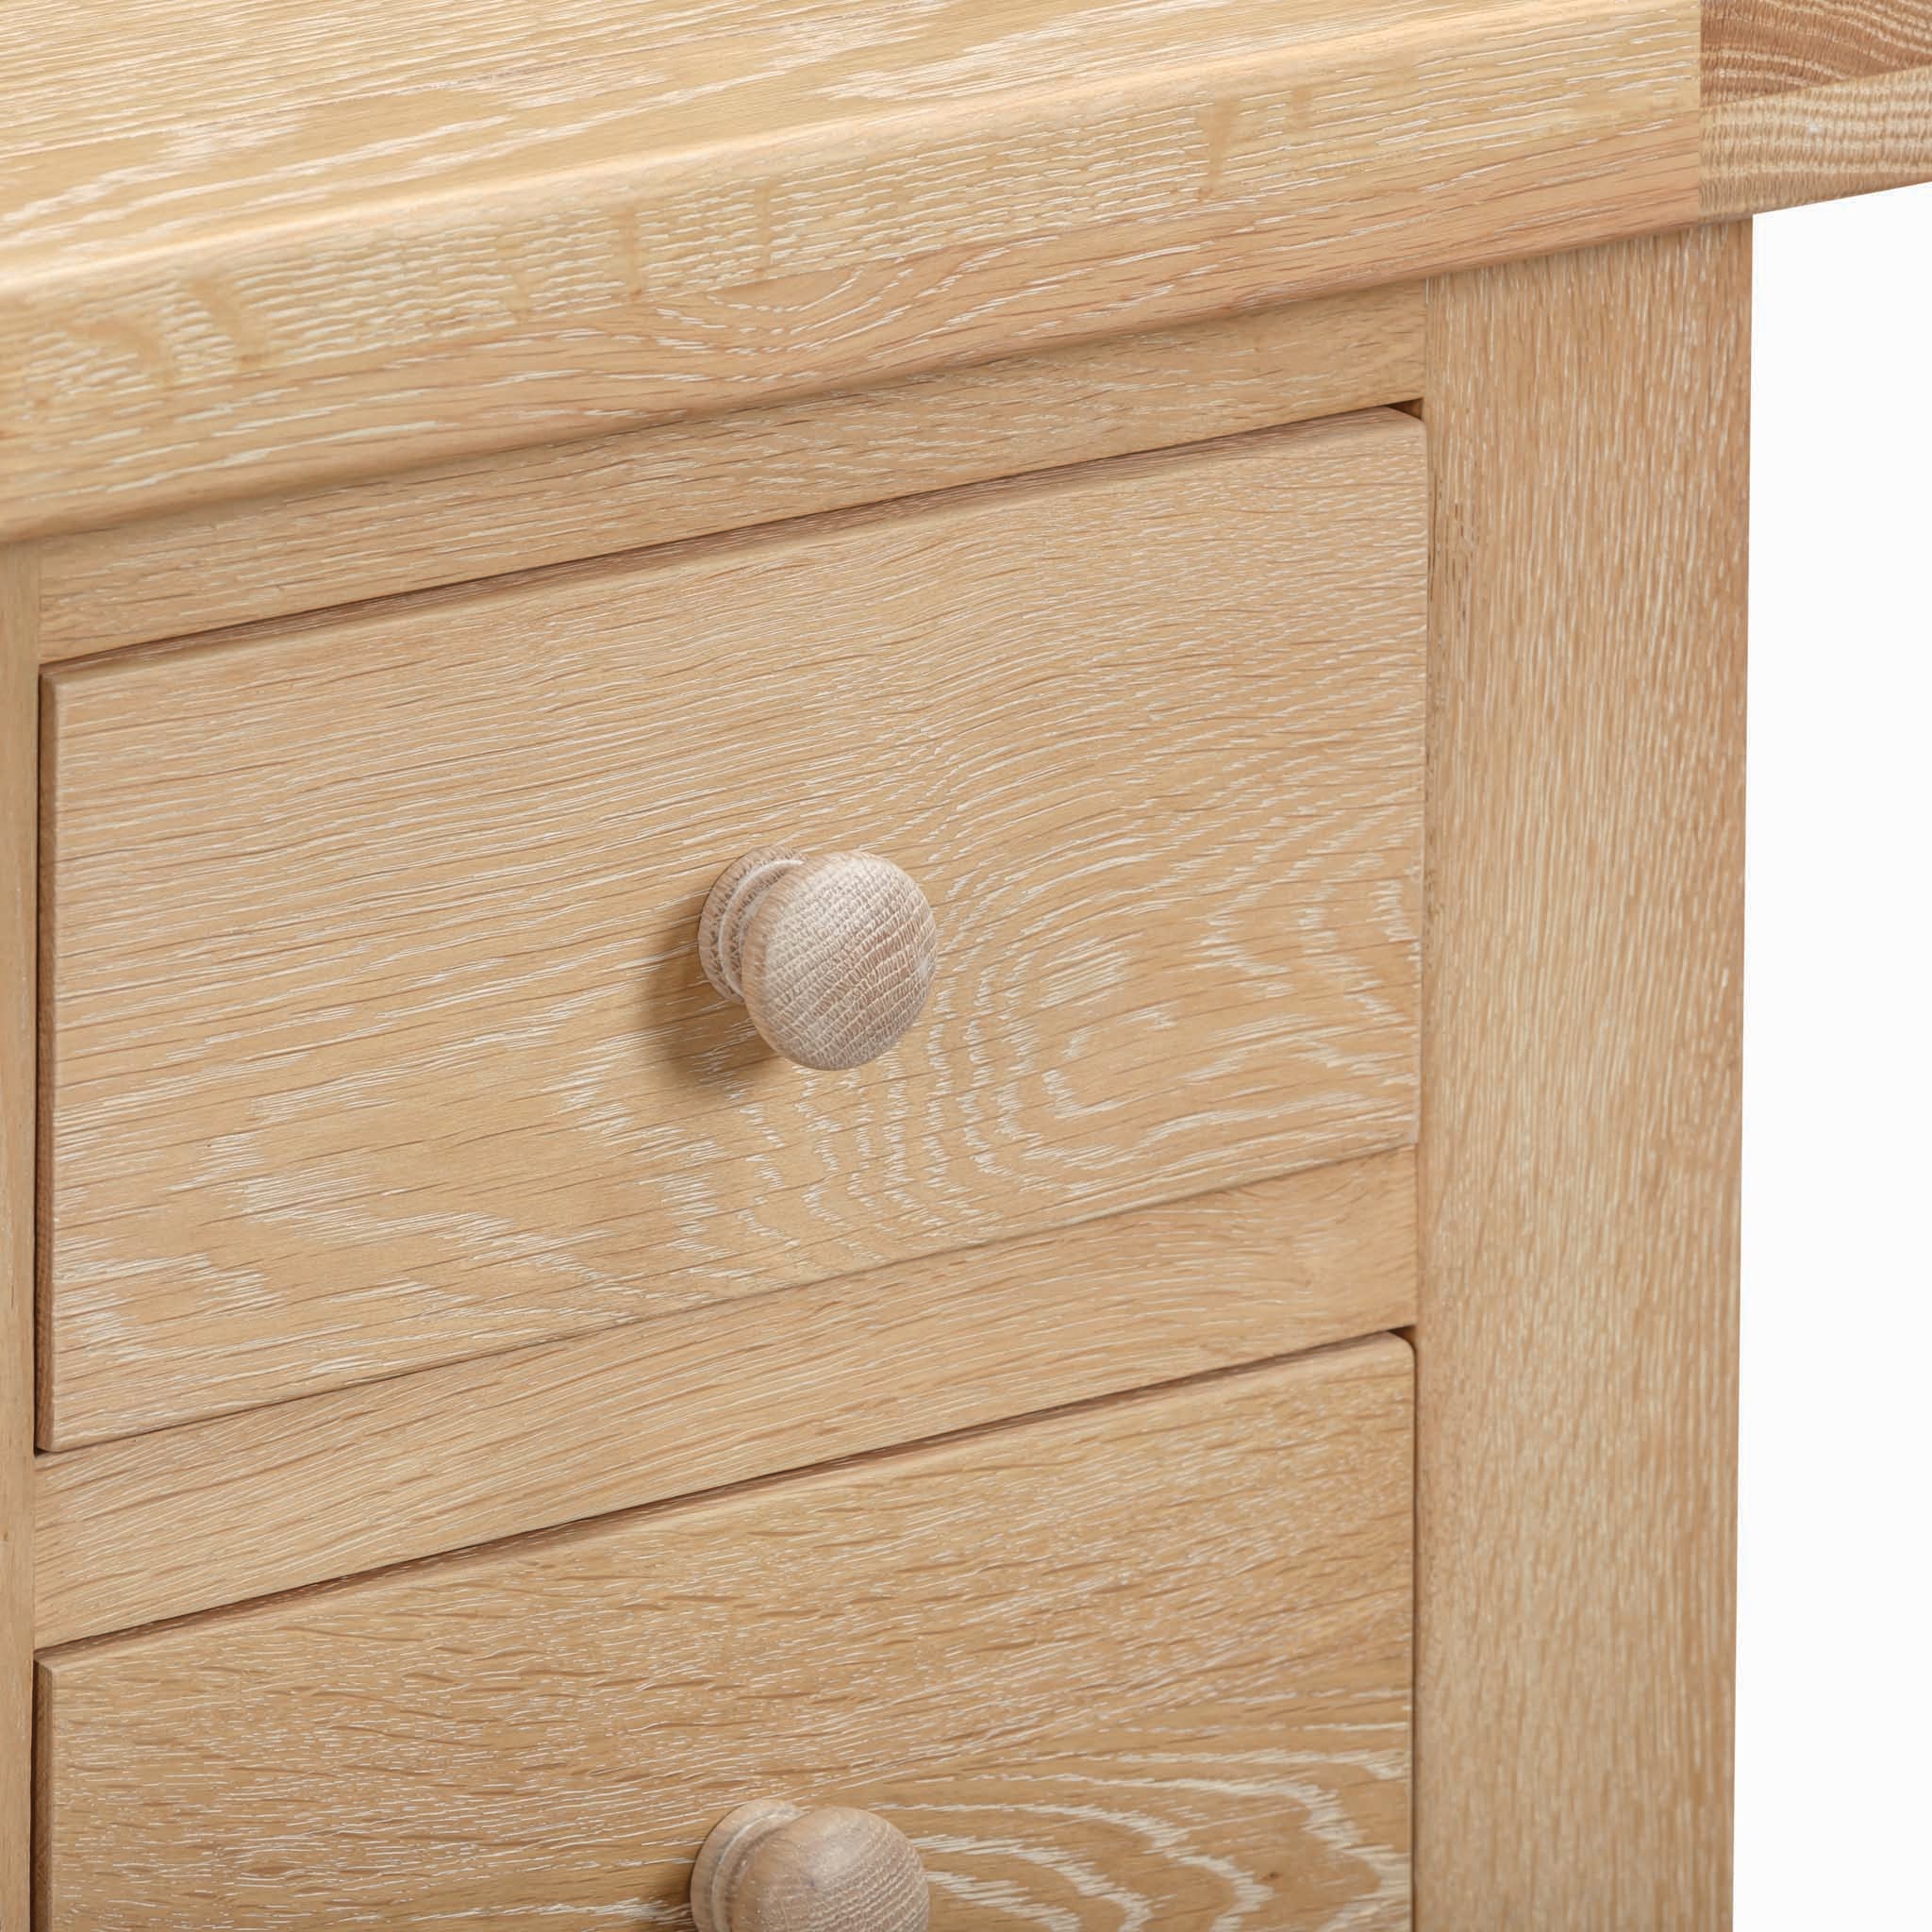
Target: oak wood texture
[
  {"x": 18, "y": 815},
  {"x": 770, "y": 1867},
  {"x": 211, "y": 1513},
  {"x": 1141, "y": 1663},
  {"x": 1576, "y": 1375},
  {"x": 261, "y": 255},
  {"x": 1808, "y": 99},
  {"x": 199, "y": 570},
  {"x": 832, "y": 954},
  {"x": 1756, "y": 47},
  {"x": 1851, "y": 137},
  {"x": 376, "y": 1036}
]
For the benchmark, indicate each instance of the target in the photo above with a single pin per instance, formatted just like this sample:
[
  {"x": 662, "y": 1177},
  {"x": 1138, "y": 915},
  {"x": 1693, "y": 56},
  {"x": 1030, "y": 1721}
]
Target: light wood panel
[
  {"x": 269, "y": 557},
  {"x": 211, "y": 1513},
  {"x": 1778, "y": 150},
  {"x": 18, "y": 822},
  {"x": 260, "y": 255},
  {"x": 376, "y": 1032},
  {"x": 1144, "y": 1663},
  {"x": 1577, "y": 1380},
  {"x": 1756, "y": 47}
]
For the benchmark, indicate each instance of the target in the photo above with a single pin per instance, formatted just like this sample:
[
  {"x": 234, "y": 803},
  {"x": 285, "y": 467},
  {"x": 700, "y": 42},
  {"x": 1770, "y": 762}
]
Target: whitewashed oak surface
[
  {"x": 202, "y": 569},
  {"x": 1577, "y": 1338},
  {"x": 376, "y": 1033},
  {"x": 294, "y": 247},
  {"x": 1849, "y": 137},
  {"x": 190, "y": 1517},
  {"x": 1144, "y": 1663}
]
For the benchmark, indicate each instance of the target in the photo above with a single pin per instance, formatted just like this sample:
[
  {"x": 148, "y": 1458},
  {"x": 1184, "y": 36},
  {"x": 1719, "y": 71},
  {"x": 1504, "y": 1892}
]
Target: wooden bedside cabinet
[{"x": 870, "y": 903}]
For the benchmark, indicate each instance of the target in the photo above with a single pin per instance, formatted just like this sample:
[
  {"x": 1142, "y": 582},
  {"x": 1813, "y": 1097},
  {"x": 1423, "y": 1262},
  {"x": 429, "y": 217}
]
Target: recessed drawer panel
[
  {"x": 377, "y": 1031},
  {"x": 1145, "y": 1664}
]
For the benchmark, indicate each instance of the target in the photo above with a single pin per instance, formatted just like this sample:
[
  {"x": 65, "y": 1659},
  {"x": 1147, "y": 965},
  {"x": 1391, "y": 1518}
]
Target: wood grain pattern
[
  {"x": 1576, "y": 1376},
  {"x": 1145, "y": 1664},
  {"x": 1756, "y": 47},
  {"x": 1805, "y": 100},
  {"x": 1778, "y": 150},
  {"x": 376, "y": 1033},
  {"x": 245, "y": 260},
  {"x": 211, "y": 1513},
  {"x": 168, "y": 577},
  {"x": 19, "y": 821}
]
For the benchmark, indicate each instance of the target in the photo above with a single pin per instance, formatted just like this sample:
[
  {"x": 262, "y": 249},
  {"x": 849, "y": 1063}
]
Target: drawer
[
  {"x": 376, "y": 1033},
  {"x": 1140, "y": 1664}
]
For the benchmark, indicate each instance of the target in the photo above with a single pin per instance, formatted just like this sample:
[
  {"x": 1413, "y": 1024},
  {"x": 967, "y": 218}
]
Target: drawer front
[
  {"x": 1145, "y": 1664},
  {"x": 376, "y": 1032}
]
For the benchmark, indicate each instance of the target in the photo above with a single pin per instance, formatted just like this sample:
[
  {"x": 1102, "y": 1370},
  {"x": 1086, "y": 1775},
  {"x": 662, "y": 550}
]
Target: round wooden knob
[
  {"x": 769, "y": 1867},
  {"x": 833, "y": 955}
]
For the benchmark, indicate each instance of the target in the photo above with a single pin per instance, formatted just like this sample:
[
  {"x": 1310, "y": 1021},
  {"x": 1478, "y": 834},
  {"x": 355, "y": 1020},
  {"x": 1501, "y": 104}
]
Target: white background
[{"x": 1835, "y": 1586}]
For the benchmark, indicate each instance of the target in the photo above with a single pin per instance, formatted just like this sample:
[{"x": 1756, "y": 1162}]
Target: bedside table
[{"x": 871, "y": 918}]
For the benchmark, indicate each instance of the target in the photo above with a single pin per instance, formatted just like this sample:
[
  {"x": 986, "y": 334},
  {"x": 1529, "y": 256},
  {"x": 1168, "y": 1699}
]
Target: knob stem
[
  {"x": 740, "y": 891},
  {"x": 723, "y": 1858}
]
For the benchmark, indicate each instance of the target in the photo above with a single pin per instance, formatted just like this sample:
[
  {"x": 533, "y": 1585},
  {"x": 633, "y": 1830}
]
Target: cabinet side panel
[{"x": 1576, "y": 1394}]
